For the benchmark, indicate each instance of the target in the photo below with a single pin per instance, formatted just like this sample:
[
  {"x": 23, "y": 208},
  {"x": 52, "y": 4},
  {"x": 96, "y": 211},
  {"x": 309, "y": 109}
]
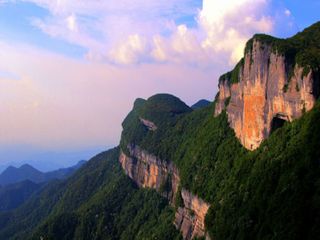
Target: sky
[{"x": 70, "y": 70}]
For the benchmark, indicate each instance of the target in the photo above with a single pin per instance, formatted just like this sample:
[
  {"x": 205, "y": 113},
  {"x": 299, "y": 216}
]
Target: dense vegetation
[
  {"x": 200, "y": 104},
  {"x": 162, "y": 109},
  {"x": 98, "y": 202},
  {"x": 234, "y": 75},
  {"x": 12, "y": 196},
  {"x": 271, "y": 193},
  {"x": 302, "y": 49},
  {"x": 197, "y": 142}
]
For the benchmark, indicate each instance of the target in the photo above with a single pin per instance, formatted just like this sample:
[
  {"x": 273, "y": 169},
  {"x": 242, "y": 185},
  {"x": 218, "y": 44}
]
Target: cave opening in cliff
[{"x": 276, "y": 123}]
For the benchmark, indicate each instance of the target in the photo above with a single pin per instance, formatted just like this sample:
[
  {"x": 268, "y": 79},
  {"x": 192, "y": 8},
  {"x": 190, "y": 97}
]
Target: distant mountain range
[
  {"x": 17, "y": 185},
  {"x": 26, "y": 172},
  {"x": 219, "y": 172}
]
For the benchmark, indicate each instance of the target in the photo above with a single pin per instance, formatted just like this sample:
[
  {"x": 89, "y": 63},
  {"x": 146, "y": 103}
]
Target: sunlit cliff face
[
  {"x": 263, "y": 95},
  {"x": 64, "y": 65}
]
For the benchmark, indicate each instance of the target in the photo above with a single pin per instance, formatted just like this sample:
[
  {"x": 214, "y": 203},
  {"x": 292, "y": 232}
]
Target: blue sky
[
  {"x": 15, "y": 25},
  {"x": 70, "y": 70},
  {"x": 305, "y": 12},
  {"x": 17, "y": 22}
]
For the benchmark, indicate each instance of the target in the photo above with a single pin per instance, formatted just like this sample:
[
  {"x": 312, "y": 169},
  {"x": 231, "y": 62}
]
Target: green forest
[{"x": 270, "y": 193}]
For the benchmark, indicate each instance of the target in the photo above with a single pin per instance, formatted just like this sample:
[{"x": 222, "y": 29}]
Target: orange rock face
[
  {"x": 265, "y": 92},
  {"x": 190, "y": 219},
  {"x": 149, "y": 171}
]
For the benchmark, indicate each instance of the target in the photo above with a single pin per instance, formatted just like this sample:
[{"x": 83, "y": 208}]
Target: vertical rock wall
[
  {"x": 191, "y": 217},
  {"x": 266, "y": 90},
  {"x": 146, "y": 170}
]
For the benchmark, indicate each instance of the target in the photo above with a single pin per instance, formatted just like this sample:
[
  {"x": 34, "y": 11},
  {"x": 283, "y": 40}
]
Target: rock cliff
[
  {"x": 147, "y": 170},
  {"x": 276, "y": 81},
  {"x": 190, "y": 218},
  {"x": 263, "y": 91}
]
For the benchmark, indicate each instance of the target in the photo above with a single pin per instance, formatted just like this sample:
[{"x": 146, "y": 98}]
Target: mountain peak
[
  {"x": 276, "y": 81},
  {"x": 27, "y": 166},
  {"x": 200, "y": 104}
]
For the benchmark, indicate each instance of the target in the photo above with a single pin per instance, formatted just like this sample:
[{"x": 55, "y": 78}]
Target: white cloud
[
  {"x": 134, "y": 31},
  {"x": 222, "y": 29},
  {"x": 287, "y": 12},
  {"x": 129, "y": 51},
  {"x": 56, "y": 98},
  {"x": 72, "y": 23},
  {"x": 228, "y": 25}
]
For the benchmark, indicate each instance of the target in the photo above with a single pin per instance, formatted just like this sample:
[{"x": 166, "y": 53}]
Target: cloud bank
[
  {"x": 135, "y": 31},
  {"x": 134, "y": 48}
]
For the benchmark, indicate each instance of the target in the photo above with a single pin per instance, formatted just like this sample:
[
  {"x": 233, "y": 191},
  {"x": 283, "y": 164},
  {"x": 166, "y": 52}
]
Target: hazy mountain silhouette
[{"x": 27, "y": 172}]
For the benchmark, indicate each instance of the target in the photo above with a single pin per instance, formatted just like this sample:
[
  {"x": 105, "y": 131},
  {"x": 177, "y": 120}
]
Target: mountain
[
  {"x": 276, "y": 81},
  {"x": 200, "y": 104},
  {"x": 198, "y": 159},
  {"x": 14, "y": 195},
  {"x": 244, "y": 167},
  {"x": 27, "y": 172},
  {"x": 98, "y": 202},
  {"x": 63, "y": 172}
]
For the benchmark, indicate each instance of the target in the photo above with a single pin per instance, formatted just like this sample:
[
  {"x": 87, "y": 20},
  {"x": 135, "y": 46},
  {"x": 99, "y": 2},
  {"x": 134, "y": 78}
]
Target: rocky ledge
[
  {"x": 148, "y": 124},
  {"x": 149, "y": 171}
]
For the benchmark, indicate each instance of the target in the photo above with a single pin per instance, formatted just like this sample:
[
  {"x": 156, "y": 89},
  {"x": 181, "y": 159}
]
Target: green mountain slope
[
  {"x": 200, "y": 104},
  {"x": 271, "y": 193},
  {"x": 14, "y": 195},
  {"x": 98, "y": 202}
]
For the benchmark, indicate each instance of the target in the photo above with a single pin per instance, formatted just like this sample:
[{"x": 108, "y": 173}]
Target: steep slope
[
  {"x": 14, "y": 195},
  {"x": 273, "y": 193},
  {"x": 199, "y": 163},
  {"x": 276, "y": 81},
  {"x": 179, "y": 156},
  {"x": 98, "y": 202},
  {"x": 195, "y": 159},
  {"x": 268, "y": 194},
  {"x": 63, "y": 172}
]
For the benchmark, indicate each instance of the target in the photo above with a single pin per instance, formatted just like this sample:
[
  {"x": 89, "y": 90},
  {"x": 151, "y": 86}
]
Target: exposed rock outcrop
[
  {"x": 190, "y": 218},
  {"x": 147, "y": 170},
  {"x": 265, "y": 92},
  {"x": 148, "y": 124}
]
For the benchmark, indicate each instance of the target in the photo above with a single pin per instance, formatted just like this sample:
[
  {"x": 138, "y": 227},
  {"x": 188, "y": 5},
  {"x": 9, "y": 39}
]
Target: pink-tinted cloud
[
  {"x": 133, "y": 50},
  {"x": 132, "y": 31},
  {"x": 59, "y": 102}
]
